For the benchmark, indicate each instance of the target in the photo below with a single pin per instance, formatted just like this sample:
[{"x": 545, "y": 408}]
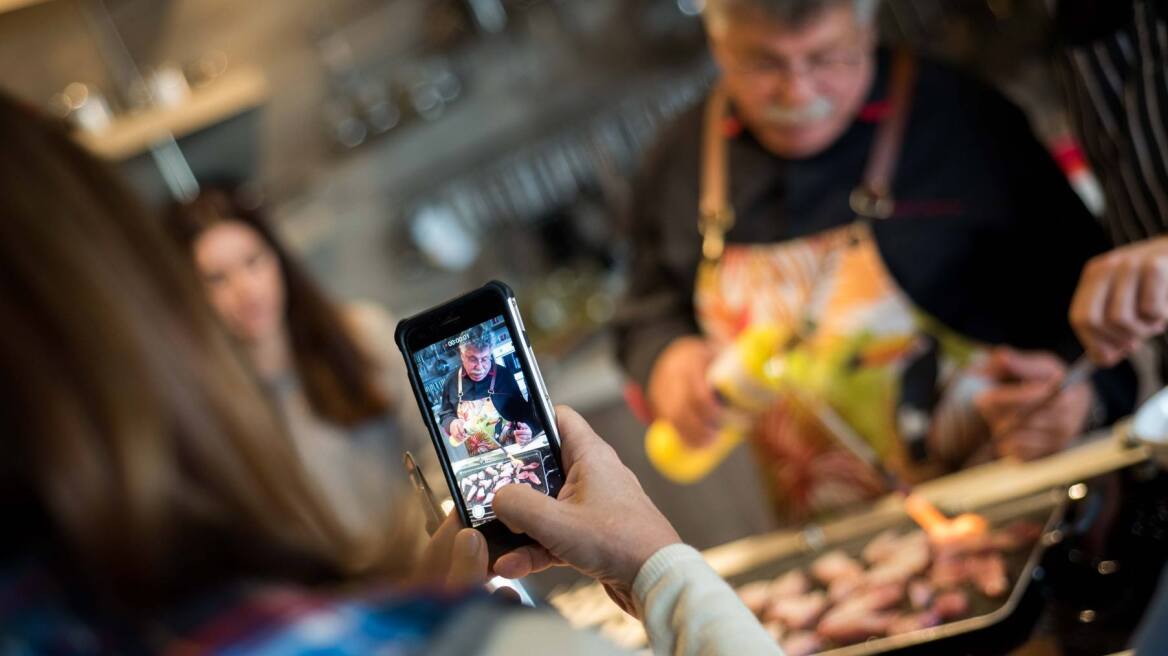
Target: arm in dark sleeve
[
  {"x": 657, "y": 307},
  {"x": 447, "y": 413}
]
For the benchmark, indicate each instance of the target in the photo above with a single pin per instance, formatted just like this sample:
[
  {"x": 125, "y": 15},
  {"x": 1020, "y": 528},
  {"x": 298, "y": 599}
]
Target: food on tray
[
  {"x": 790, "y": 584},
  {"x": 797, "y": 613},
  {"x": 835, "y": 565},
  {"x": 481, "y": 486},
  {"x": 902, "y": 582},
  {"x": 802, "y": 643}
]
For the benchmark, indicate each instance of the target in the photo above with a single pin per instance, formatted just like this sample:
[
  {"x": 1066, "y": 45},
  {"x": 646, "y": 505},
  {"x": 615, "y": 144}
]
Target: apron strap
[
  {"x": 715, "y": 214},
  {"x": 871, "y": 199}
]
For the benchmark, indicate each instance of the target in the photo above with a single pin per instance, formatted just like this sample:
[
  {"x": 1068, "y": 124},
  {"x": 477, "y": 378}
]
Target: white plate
[{"x": 1151, "y": 421}]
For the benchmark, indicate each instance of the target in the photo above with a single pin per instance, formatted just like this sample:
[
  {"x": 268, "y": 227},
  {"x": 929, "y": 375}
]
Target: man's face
[
  {"x": 476, "y": 363},
  {"x": 797, "y": 89}
]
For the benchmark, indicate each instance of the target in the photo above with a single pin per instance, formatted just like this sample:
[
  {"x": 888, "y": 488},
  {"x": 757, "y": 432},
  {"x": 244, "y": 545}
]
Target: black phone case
[{"x": 500, "y": 539}]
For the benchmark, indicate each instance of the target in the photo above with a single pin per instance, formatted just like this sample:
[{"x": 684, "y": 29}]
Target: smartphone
[{"x": 485, "y": 404}]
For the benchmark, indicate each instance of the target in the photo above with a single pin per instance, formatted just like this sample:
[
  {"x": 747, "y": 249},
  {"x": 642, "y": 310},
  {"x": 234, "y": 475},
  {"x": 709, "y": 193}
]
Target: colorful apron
[
  {"x": 483, "y": 428},
  {"x": 856, "y": 338}
]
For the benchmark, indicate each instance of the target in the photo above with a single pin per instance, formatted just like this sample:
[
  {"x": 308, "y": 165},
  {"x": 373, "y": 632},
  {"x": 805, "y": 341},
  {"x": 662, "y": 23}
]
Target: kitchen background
[{"x": 411, "y": 149}]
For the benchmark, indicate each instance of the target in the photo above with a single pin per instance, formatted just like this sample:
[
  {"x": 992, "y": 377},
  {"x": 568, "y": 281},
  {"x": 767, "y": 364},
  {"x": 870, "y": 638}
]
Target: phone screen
[{"x": 489, "y": 427}]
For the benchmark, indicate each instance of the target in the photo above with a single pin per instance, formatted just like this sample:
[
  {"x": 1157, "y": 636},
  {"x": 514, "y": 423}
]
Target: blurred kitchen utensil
[{"x": 82, "y": 105}]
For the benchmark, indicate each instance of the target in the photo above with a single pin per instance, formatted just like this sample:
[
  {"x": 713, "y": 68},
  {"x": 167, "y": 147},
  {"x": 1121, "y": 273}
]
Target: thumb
[
  {"x": 1008, "y": 363},
  {"x": 468, "y": 559},
  {"x": 525, "y": 510}
]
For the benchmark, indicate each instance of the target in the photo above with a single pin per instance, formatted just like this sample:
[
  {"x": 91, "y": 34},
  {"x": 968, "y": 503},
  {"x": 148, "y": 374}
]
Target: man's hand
[
  {"x": 522, "y": 434},
  {"x": 1122, "y": 300},
  {"x": 1022, "y": 380},
  {"x": 602, "y": 524},
  {"x": 455, "y": 432},
  {"x": 679, "y": 393}
]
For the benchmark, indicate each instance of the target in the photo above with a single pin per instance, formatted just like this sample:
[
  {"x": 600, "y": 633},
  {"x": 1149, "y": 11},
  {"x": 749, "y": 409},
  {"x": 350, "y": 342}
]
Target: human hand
[
  {"x": 522, "y": 434},
  {"x": 602, "y": 524},
  {"x": 680, "y": 394},
  {"x": 455, "y": 431},
  {"x": 455, "y": 557},
  {"x": 1122, "y": 300},
  {"x": 1022, "y": 380}
]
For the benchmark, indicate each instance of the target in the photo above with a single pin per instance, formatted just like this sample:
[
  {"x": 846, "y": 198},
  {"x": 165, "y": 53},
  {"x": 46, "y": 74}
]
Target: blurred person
[
  {"x": 154, "y": 503},
  {"x": 886, "y": 213},
  {"x": 332, "y": 370},
  {"x": 483, "y": 393},
  {"x": 1112, "y": 64},
  {"x": 1113, "y": 60}
]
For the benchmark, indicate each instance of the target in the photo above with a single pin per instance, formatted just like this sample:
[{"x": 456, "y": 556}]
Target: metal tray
[
  {"x": 491, "y": 460},
  {"x": 1046, "y": 508}
]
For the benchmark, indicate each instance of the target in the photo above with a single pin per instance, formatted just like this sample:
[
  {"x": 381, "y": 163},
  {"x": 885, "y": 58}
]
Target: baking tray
[
  {"x": 493, "y": 460},
  {"x": 1046, "y": 509}
]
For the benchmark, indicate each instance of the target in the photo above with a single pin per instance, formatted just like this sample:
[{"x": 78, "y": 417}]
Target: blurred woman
[
  {"x": 153, "y": 503},
  {"x": 333, "y": 371}
]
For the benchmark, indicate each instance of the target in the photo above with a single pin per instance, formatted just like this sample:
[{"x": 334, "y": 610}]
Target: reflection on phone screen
[{"x": 489, "y": 426}]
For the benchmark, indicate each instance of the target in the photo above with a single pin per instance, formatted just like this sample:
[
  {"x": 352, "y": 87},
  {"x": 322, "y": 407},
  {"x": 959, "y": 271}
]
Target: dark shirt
[
  {"x": 988, "y": 236},
  {"x": 1113, "y": 65},
  {"x": 508, "y": 398}
]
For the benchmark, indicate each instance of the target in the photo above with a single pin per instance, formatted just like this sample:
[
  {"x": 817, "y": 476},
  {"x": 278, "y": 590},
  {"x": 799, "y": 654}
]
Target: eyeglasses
[{"x": 823, "y": 67}]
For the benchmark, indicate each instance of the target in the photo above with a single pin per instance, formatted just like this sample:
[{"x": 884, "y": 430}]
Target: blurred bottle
[{"x": 746, "y": 377}]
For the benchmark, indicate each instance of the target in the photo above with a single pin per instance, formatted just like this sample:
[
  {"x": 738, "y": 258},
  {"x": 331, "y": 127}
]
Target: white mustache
[{"x": 816, "y": 110}]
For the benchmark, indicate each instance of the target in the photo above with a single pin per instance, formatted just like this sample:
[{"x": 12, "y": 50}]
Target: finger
[
  {"x": 524, "y": 561},
  {"x": 1153, "y": 296},
  {"x": 1089, "y": 306},
  {"x": 1017, "y": 444},
  {"x": 1122, "y": 314},
  {"x": 1006, "y": 400},
  {"x": 707, "y": 405},
  {"x": 1033, "y": 445},
  {"x": 693, "y": 430},
  {"x": 468, "y": 559},
  {"x": 524, "y": 510},
  {"x": 1028, "y": 365},
  {"x": 436, "y": 554}
]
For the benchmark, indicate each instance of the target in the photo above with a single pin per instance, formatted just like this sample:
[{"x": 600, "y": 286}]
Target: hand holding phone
[
  {"x": 487, "y": 409},
  {"x": 602, "y": 524}
]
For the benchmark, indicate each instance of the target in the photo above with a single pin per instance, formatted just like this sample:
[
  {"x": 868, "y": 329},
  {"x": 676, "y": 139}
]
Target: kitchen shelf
[
  {"x": 234, "y": 93},
  {"x": 12, "y": 5}
]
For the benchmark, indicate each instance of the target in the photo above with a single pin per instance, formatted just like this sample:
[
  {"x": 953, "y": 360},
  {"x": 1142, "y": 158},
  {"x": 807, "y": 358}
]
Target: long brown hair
[
  {"x": 339, "y": 379},
  {"x": 137, "y": 446}
]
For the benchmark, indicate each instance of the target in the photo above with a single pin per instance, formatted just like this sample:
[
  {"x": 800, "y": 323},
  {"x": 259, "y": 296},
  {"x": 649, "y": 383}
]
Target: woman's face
[{"x": 242, "y": 276}]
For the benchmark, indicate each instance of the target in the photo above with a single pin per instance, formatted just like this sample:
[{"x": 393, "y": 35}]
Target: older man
[
  {"x": 482, "y": 406},
  {"x": 897, "y": 220}
]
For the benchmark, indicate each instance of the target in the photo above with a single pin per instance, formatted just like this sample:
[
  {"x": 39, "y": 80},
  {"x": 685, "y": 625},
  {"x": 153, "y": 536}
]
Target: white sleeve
[
  {"x": 689, "y": 610},
  {"x": 533, "y": 632}
]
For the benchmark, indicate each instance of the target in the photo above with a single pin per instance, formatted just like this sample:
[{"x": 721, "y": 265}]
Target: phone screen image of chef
[{"x": 489, "y": 428}]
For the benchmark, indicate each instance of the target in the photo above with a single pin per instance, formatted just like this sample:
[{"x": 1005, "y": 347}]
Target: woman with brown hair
[
  {"x": 331, "y": 370},
  {"x": 154, "y": 504}
]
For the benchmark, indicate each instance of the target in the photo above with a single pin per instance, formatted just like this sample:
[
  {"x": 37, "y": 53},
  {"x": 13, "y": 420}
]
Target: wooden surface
[
  {"x": 12, "y": 5},
  {"x": 237, "y": 91}
]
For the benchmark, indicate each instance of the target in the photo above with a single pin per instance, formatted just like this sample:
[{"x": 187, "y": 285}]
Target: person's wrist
[{"x": 643, "y": 551}]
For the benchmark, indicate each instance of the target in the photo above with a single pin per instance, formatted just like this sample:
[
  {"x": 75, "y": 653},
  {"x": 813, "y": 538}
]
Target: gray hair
[{"x": 794, "y": 13}]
